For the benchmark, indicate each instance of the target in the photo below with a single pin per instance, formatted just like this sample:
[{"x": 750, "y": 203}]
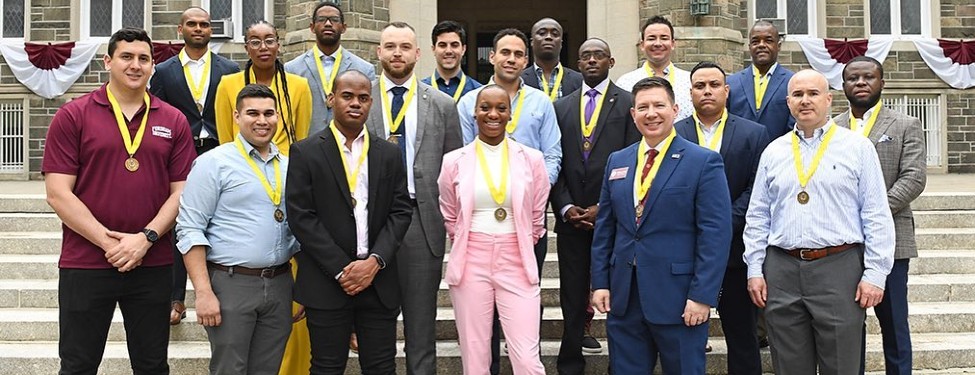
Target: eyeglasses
[
  {"x": 599, "y": 55},
  {"x": 332, "y": 19},
  {"x": 256, "y": 43}
]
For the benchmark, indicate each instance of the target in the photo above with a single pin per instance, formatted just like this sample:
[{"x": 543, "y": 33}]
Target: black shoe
[
  {"x": 708, "y": 348},
  {"x": 590, "y": 345},
  {"x": 763, "y": 342}
]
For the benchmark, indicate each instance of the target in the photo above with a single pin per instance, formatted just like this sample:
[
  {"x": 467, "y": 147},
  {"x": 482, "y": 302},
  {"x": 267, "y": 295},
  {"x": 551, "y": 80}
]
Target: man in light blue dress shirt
[
  {"x": 819, "y": 242},
  {"x": 233, "y": 232}
]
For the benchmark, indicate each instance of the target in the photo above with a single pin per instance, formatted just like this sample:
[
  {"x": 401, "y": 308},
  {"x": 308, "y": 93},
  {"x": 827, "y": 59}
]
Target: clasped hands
[
  {"x": 358, "y": 275},
  {"x": 125, "y": 250},
  {"x": 695, "y": 313},
  {"x": 582, "y": 218}
]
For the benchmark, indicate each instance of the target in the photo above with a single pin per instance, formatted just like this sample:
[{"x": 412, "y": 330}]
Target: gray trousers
[
  {"x": 419, "y": 277},
  {"x": 255, "y": 315},
  {"x": 812, "y": 317}
]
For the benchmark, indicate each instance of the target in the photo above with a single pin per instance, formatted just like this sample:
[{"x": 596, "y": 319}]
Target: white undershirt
[{"x": 483, "y": 220}]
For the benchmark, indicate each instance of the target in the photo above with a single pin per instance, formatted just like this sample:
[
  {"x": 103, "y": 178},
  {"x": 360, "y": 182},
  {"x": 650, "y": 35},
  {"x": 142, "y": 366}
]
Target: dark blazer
[
  {"x": 169, "y": 84},
  {"x": 571, "y": 80},
  {"x": 741, "y": 149},
  {"x": 320, "y": 216},
  {"x": 679, "y": 249},
  {"x": 579, "y": 182},
  {"x": 775, "y": 114}
]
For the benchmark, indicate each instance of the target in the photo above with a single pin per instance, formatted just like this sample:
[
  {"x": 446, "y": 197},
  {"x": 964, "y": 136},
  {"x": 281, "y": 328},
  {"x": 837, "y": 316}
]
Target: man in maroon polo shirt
[{"x": 115, "y": 162}]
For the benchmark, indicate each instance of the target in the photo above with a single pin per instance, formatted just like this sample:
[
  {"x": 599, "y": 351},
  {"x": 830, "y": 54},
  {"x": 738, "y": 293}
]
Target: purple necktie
[{"x": 591, "y": 104}]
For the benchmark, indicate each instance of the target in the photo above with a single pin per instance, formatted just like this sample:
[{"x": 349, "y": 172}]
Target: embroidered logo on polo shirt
[{"x": 162, "y": 131}]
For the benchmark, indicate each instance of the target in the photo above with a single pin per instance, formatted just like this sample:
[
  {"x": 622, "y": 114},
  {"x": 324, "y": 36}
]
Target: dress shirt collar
[
  {"x": 252, "y": 151},
  {"x": 361, "y": 138},
  {"x": 324, "y": 55},
  {"x": 390, "y": 84},
  {"x": 713, "y": 127},
  {"x": 770, "y": 69},
  {"x": 521, "y": 82},
  {"x": 866, "y": 114},
  {"x": 436, "y": 75},
  {"x": 601, "y": 87},
  {"x": 539, "y": 71},
  {"x": 817, "y": 134},
  {"x": 185, "y": 58},
  {"x": 655, "y": 147}
]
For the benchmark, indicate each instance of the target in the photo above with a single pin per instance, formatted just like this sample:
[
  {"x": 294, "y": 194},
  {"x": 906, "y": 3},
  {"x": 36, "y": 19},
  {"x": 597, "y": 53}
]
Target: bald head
[
  {"x": 809, "y": 100},
  {"x": 595, "y": 61},
  {"x": 194, "y": 28},
  {"x": 193, "y": 11}
]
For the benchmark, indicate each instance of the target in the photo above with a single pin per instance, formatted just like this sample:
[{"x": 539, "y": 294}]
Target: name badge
[
  {"x": 618, "y": 173},
  {"x": 162, "y": 131}
]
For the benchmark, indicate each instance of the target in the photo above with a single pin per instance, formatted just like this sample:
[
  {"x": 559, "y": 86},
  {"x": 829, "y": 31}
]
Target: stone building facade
[{"x": 718, "y": 36}]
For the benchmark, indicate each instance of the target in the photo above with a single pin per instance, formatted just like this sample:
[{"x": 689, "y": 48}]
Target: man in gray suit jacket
[
  {"x": 424, "y": 123},
  {"x": 318, "y": 65},
  {"x": 899, "y": 139}
]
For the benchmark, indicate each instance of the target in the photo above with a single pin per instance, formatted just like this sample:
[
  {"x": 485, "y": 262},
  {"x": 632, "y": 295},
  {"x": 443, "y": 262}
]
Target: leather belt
[
  {"x": 267, "y": 273},
  {"x": 813, "y": 254},
  {"x": 205, "y": 142}
]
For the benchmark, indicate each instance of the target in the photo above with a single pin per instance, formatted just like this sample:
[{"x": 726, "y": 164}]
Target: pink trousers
[{"x": 494, "y": 275}]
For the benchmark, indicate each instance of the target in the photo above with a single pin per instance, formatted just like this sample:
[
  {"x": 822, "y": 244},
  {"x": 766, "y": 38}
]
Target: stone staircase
[{"x": 942, "y": 297}]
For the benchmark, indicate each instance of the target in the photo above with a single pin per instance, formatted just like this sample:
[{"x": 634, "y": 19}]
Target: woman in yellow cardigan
[
  {"x": 263, "y": 67},
  {"x": 294, "y": 117}
]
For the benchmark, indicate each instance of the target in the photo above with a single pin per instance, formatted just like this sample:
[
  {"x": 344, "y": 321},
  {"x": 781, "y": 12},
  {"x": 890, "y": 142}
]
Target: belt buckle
[
  {"x": 802, "y": 254},
  {"x": 267, "y": 273}
]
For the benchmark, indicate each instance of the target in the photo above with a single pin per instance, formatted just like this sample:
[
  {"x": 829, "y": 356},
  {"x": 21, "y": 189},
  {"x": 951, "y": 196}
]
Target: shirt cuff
[
  {"x": 190, "y": 239},
  {"x": 562, "y": 212},
  {"x": 379, "y": 258},
  {"x": 755, "y": 270},
  {"x": 875, "y": 278},
  {"x": 339, "y": 276}
]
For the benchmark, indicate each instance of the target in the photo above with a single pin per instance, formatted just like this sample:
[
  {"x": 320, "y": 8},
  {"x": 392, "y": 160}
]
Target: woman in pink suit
[{"x": 492, "y": 195}]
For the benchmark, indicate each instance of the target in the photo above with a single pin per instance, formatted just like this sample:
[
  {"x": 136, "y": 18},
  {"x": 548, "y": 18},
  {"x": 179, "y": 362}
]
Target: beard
[
  {"x": 869, "y": 102},
  {"x": 397, "y": 73}
]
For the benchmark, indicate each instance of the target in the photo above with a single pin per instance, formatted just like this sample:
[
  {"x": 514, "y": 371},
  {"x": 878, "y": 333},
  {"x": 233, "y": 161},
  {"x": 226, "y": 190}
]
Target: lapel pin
[
  {"x": 612, "y": 100},
  {"x": 675, "y": 156},
  {"x": 424, "y": 96}
]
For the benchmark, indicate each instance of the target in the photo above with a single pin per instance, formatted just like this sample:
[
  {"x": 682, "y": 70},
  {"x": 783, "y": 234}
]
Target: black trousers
[
  {"x": 574, "y": 250},
  {"x": 374, "y": 325},
  {"x": 179, "y": 275},
  {"x": 87, "y": 300},
  {"x": 738, "y": 320}
]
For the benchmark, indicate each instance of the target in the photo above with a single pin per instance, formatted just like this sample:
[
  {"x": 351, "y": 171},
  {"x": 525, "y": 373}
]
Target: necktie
[
  {"x": 397, "y": 106},
  {"x": 591, "y": 104},
  {"x": 651, "y": 155}
]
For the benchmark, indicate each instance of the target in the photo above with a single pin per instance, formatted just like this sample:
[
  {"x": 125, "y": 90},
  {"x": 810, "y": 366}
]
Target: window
[
  {"x": 101, "y": 18},
  {"x": 13, "y": 139},
  {"x": 900, "y": 17},
  {"x": 242, "y": 13},
  {"x": 799, "y": 15},
  {"x": 12, "y": 22},
  {"x": 927, "y": 108}
]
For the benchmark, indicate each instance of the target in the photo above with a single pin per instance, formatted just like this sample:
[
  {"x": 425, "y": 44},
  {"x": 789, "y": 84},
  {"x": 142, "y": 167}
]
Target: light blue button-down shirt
[
  {"x": 847, "y": 202},
  {"x": 224, "y": 207},
  {"x": 538, "y": 127}
]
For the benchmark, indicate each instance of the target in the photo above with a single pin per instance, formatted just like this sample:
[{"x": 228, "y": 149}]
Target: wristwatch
[{"x": 151, "y": 235}]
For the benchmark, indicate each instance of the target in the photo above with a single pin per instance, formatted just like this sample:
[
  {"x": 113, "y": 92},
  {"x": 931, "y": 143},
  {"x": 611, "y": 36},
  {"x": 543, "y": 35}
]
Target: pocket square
[{"x": 885, "y": 138}]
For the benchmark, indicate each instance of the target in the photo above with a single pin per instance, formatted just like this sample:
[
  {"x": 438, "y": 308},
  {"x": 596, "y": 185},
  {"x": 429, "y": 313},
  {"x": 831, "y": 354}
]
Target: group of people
[{"x": 312, "y": 202}]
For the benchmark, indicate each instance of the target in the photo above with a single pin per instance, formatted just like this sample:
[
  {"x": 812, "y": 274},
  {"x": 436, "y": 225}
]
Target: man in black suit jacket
[
  {"x": 546, "y": 49},
  {"x": 349, "y": 210},
  {"x": 740, "y": 143},
  {"x": 170, "y": 84},
  {"x": 576, "y": 192}
]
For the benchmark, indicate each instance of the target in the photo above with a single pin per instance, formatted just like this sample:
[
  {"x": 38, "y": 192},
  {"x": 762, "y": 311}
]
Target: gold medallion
[
  {"x": 500, "y": 214},
  {"x": 131, "y": 164},
  {"x": 394, "y": 139},
  {"x": 639, "y": 211},
  {"x": 199, "y": 107},
  {"x": 802, "y": 197},
  {"x": 354, "y": 202},
  {"x": 278, "y": 215},
  {"x": 586, "y": 145}
]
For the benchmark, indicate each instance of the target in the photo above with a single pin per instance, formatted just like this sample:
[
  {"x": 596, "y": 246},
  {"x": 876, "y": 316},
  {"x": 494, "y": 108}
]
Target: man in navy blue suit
[
  {"x": 763, "y": 100},
  {"x": 660, "y": 244},
  {"x": 740, "y": 143}
]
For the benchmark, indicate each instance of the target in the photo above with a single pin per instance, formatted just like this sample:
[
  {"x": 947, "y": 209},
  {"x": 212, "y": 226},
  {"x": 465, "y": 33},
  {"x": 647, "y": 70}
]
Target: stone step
[
  {"x": 933, "y": 354},
  {"x": 24, "y": 203},
  {"x": 931, "y": 201},
  {"x": 944, "y": 219},
  {"x": 22, "y": 243},
  {"x": 945, "y": 238},
  {"x": 30, "y": 222}
]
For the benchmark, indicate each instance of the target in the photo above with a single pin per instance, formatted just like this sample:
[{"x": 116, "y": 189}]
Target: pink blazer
[{"x": 528, "y": 188}]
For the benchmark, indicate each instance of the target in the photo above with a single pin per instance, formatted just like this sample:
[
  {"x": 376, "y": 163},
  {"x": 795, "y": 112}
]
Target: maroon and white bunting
[
  {"x": 952, "y": 61},
  {"x": 829, "y": 56},
  {"x": 48, "y": 70}
]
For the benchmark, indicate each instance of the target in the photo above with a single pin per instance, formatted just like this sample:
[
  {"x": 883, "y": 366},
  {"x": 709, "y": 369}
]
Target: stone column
[
  {"x": 714, "y": 36},
  {"x": 618, "y": 23}
]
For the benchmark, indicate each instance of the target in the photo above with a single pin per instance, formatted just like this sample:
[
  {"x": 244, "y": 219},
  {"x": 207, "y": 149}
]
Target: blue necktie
[{"x": 397, "y": 106}]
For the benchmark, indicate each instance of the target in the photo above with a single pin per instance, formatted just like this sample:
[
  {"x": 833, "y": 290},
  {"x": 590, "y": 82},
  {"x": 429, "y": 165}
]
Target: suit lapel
[
  {"x": 375, "y": 123},
  {"x": 334, "y": 161},
  {"x": 669, "y": 164},
  {"x": 727, "y": 137},
  {"x": 423, "y": 111},
  {"x": 880, "y": 127},
  {"x": 611, "y": 98},
  {"x": 215, "y": 74},
  {"x": 515, "y": 178},
  {"x": 689, "y": 126},
  {"x": 316, "y": 81},
  {"x": 630, "y": 155},
  {"x": 375, "y": 161},
  {"x": 774, "y": 83},
  {"x": 466, "y": 176},
  {"x": 748, "y": 85}
]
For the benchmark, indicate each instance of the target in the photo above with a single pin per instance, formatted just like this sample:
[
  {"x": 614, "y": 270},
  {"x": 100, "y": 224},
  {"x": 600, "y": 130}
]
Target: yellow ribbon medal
[
  {"x": 588, "y": 127},
  {"x": 804, "y": 176},
  {"x": 273, "y": 193},
  {"x": 460, "y": 86},
  {"x": 513, "y": 123},
  {"x": 131, "y": 145},
  {"x": 645, "y": 184},
  {"x": 351, "y": 176},
  {"x": 718, "y": 134},
  {"x": 497, "y": 192},
  {"x": 327, "y": 83},
  {"x": 388, "y": 112},
  {"x": 554, "y": 94},
  {"x": 855, "y": 124},
  {"x": 670, "y": 71},
  {"x": 196, "y": 87}
]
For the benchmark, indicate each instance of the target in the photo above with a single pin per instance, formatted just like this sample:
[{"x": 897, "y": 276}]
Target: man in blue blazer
[
  {"x": 769, "y": 90},
  {"x": 328, "y": 24},
  {"x": 740, "y": 143},
  {"x": 660, "y": 244}
]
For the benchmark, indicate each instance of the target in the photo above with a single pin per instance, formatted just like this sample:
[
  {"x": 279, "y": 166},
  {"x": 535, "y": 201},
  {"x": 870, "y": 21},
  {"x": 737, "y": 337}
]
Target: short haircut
[
  {"x": 658, "y": 19},
  {"x": 509, "y": 31},
  {"x": 399, "y": 25},
  {"x": 349, "y": 72},
  {"x": 255, "y": 90},
  {"x": 328, "y": 3},
  {"x": 708, "y": 65},
  {"x": 128, "y": 34},
  {"x": 491, "y": 86},
  {"x": 865, "y": 59},
  {"x": 449, "y": 26},
  {"x": 654, "y": 82},
  {"x": 182, "y": 17}
]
